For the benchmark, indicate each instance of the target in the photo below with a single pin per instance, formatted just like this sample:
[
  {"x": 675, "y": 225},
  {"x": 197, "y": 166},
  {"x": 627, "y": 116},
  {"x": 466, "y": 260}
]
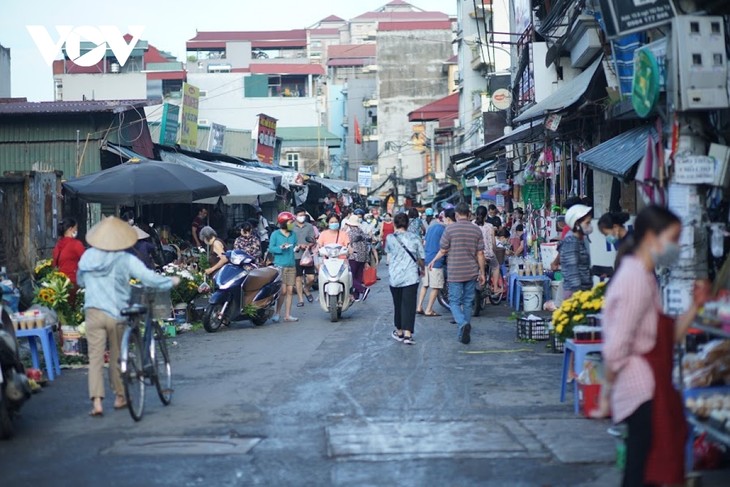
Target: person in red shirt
[
  {"x": 388, "y": 227},
  {"x": 68, "y": 249}
]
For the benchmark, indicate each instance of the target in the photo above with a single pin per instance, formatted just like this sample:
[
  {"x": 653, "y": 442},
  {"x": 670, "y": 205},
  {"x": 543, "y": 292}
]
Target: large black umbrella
[{"x": 145, "y": 182}]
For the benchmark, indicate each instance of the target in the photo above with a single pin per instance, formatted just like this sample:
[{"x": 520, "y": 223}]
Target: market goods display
[
  {"x": 709, "y": 367},
  {"x": 577, "y": 309}
]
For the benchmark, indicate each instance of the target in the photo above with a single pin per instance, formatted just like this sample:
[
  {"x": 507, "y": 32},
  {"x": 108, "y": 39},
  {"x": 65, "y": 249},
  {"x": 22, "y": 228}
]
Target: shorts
[
  {"x": 288, "y": 275},
  {"x": 307, "y": 270},
  {"x": 433, "y": 278}
]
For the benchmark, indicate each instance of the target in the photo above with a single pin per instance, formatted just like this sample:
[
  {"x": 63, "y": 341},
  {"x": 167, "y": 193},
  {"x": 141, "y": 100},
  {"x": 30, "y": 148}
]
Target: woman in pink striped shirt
[{"x": 638, "y": 347}]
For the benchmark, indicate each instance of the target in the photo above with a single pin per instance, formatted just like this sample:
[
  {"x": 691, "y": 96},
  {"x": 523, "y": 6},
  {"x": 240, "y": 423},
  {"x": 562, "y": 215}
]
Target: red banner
[{"x": 266, "y": 141}]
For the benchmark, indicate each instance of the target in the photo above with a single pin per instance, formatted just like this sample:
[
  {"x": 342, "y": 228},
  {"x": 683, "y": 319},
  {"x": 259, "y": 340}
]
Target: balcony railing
[{"x": 370, "y": 133}]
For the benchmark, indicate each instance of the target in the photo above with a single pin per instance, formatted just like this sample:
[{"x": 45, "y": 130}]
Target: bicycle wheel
[
  {"x": 132, "y": 369},
  {"x": 163, "y": 370}
]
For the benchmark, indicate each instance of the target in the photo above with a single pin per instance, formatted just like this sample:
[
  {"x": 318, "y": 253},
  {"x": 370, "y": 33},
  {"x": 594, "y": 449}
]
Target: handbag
[
  {"x": 419, "y": 263},
  {"x": 307, "y": 259},
  {"x": 369, "y": 276}
]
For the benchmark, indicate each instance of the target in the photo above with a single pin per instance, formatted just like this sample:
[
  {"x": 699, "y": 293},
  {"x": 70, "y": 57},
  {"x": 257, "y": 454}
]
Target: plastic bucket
[
  {"x": 180, "y": 313},
  {"x": 589, "y": 397},
  {"x": 531, "y": 298}
]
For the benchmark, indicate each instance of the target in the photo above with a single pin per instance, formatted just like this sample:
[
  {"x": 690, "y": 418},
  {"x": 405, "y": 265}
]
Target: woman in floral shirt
[
  {"x": 248, "y": 242},
  {"x": 359, "y": 256}
]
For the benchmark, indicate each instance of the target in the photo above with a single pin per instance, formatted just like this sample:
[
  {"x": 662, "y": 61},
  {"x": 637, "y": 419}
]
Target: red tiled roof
[
  {"x": 281, "y": 68},
  {"x": 444, "y": 110},
  {"x": 400, "y": 16},
  {"x": 430, "y": 25},
  {"x": 167, "y": 75},
  {"x": 324, "y": 32},
  {"x": 258, "y": 39},
  {"x": 332, "y": 18},
  {"x": 453, "y": 59}
]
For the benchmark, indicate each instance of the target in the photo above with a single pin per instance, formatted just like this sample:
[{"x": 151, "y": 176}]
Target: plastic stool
[
  {"x": 521, "y": 280},
  {"x": 50, "y": 352},
  {"x": 580, "y": 351}
]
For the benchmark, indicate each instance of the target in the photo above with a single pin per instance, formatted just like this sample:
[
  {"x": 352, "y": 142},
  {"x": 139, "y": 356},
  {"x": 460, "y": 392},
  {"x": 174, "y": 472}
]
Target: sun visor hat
[{"x": 575, "y": 213}]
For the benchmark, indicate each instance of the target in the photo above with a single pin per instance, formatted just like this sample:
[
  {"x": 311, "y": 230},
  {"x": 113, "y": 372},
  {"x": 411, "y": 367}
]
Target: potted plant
[{"x": 576, "y": 310}]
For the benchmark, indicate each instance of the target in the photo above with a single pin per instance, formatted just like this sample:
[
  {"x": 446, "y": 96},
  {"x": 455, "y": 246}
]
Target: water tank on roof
[{"x": 115, "y": 67}]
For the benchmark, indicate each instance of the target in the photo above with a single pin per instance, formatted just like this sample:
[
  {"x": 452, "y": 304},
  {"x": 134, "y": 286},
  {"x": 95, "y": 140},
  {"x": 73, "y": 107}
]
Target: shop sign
[
  {"x": 189, "y": 124},
  {"x": 365, "y": 177},
  {"x": 266, "y": 139},
  {"x": 627, "y": 16},
  {"x": 215, "y": 139},
  {"x": 692, "y": 169},
  {"x": 169, "y": 125},
  {"x": 646, "y": 84},
  {"x": 552, "y": 122},
  {"x": 677, "y": 297}
]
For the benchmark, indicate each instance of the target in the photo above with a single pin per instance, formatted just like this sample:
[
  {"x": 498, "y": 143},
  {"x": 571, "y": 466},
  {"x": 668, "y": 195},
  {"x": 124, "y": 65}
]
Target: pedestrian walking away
[
  {"x": 464, "y": 244},
  {"x": 433, "y": 280},
  {"x": 282, "y": 245},
  {"x": 405, "y": 258},
  {"x": 105, "y": 271},
  {"x": 305, "y": 234},
  {"x": 638, "y": 350}
]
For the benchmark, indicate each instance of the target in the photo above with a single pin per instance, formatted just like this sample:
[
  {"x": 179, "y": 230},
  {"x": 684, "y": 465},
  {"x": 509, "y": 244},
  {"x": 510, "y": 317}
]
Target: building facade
[{"x": 4, "y": 72}]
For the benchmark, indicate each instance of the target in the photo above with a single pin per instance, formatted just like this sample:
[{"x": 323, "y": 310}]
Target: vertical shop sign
[
  {"x": 266, "y": 139},
  {"x": 216, "y": 137},
  {"x": 189, "y": 124},
  {"x": 169, "y": 125}
]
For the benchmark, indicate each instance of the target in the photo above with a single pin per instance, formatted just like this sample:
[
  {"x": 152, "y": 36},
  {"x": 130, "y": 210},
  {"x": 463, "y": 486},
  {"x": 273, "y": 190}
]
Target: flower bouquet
[
  {"x": 42, "y": 269},
  {"x": 575, "y": 310},
  {"x": 54, "y": 292},
  {"x": 190, "y": 280}
]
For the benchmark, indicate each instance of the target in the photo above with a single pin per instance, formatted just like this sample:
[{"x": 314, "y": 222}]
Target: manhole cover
[{"x": 183, "y": 445}]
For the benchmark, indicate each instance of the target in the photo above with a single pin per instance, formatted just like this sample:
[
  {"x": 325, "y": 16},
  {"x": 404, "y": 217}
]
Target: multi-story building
[
  {"x": 4, "y": 72},
  {"x": 148, "y": 74}
]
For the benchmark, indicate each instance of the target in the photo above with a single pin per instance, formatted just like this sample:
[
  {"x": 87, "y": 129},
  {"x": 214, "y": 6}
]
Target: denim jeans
[{"x": 461, "y": 299}]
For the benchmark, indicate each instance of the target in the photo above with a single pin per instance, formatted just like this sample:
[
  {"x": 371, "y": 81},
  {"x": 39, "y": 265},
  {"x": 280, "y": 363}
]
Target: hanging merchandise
[{"x": 648, "y": 175}]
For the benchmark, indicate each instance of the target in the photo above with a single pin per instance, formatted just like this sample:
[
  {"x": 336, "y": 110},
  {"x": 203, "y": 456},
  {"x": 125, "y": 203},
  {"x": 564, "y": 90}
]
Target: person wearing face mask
[
  {"x": 387, "y": 228},
  {"x": 282, "y": 245},
  {"x": 575, "y": 259},
  {"x": 638, "y": 353},
  {"x": 613, "y": 227},
  {"x": 304, "y": 232},
  {"x": 334, "y": 234},
  {"x": 68, "y": 249}
]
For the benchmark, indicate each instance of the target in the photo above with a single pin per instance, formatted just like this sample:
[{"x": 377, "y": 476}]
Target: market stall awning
[
  {"x": 524, "y": 133},
  {"x": 334, "y": 185},
  {"x": 444, "y": 111},
  {"x": 565, "y": 96},
  {"x": 241, "y": 189},
  {"x": 618, "y": 155}
]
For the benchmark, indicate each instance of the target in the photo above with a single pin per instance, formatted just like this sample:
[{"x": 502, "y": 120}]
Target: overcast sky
[{"x": 167, "y": 24}]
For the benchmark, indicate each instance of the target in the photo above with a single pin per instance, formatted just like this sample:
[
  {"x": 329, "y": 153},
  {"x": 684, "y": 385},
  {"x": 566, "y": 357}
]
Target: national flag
[{"x": 358, "y": 134}]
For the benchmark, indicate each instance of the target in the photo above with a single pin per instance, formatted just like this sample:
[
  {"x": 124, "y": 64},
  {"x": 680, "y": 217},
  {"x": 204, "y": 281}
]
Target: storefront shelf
[
  {"x": 713, "y": 432},
  {"x": 712, "y": 330}
]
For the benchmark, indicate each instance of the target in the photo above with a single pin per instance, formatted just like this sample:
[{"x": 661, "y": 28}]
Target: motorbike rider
[
  {"x": 282, "y": 245},
  {"x": 334, "y": 234}
]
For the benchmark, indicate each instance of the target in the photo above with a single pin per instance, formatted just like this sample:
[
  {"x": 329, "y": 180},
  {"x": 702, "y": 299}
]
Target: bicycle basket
[{"x": 157, "y": 301}]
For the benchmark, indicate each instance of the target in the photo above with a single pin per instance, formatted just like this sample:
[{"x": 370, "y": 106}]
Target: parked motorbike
[
  {"x": 335, "y": 280},
  {"x": 243, "y": 291},
  {"x": 14, "y": 387}
]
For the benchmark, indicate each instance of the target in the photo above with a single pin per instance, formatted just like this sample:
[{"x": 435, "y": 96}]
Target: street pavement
[{"x": 316, "y": 404}]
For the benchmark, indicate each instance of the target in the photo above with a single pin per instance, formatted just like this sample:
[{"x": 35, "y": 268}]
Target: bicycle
[{"x": 144, "y": 359}]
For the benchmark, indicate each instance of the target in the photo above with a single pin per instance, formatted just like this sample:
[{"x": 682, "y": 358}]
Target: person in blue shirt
[
  {"x": 433, "y": 279},
  {"x": 282, "y": 244}
]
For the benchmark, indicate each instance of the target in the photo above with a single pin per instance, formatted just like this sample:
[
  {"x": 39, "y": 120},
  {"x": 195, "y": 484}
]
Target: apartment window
[{"x": 292, "y": 160}]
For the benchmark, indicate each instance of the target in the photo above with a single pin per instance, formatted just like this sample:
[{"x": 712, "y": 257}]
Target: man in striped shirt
[{"x": 464, "y": 245}]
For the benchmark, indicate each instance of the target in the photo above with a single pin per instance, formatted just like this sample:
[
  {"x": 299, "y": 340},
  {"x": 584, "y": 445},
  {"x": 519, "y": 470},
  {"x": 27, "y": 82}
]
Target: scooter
[
  {"x": 14, "y": 386},
  {"x": 243, "y": 291},
  {"x": 335, "y": 280}
]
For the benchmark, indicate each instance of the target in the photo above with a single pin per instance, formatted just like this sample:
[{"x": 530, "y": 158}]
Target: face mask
[
  {"x": 334, "y": 226},
  {"x": 611, "y": 239},
  {"x": 668, "y": 256},
  {"x": 301, "y": 219},
  {"x": 284, "y": 225},
  {"x": 586, "y": 229},
  {"x": 73, "y": 235}
]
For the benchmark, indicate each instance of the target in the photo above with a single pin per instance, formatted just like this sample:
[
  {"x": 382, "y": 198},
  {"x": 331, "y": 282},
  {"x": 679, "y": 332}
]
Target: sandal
[
  {"x": 420, "y": 312},
  {"x": 431, "y": 314},
  {"x": 291, "y": 319},
  {"x": 310, "y": 298},
  {"x": 95, "y": 413},
  {"x": 300, "y": 305}
]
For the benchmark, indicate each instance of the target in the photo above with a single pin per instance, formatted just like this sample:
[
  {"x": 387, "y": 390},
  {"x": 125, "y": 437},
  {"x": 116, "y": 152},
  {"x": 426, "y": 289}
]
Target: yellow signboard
[{"x": 189, "y": 123}]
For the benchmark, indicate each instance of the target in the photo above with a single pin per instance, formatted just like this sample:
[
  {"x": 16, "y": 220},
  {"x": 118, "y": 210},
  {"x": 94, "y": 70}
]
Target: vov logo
[{"x": 72, "y": 37}]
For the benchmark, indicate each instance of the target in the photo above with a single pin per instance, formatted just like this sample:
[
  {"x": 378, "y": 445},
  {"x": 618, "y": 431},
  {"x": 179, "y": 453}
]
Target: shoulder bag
[{"x": 419, "y": 262}]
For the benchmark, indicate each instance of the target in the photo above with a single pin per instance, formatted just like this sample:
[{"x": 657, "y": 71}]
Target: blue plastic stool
[
  {"x": 521, "y": 281},
  {"x": 580, "y": 351},
  {"x": 50, "y": 352}
]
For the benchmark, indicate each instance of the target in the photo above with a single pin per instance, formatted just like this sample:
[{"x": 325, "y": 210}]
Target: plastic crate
[
  {"x": 532, "y": 329},
  {"x": 556, "y": 343},
  {"x": 157, "y": 301}
]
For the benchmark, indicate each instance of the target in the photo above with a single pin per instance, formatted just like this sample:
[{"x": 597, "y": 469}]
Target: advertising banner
[
  {"x": 189, "y": 124},
  {"x": 266, "y": 140},
  {"x": 627, "y": 16},
  {"x": 365, "y": 177},
  {"x": 169, "y": 125},
  {"x": 215, "y": 139}
]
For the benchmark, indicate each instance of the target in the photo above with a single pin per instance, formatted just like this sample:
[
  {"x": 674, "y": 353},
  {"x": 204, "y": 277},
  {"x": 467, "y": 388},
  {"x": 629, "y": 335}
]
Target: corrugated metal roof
[
  {"x": 64, "y": 107},
  {"x": 564, "y": 97},
  {"x": 305, "y": 133},
  {"x": 617, "y": 156},
  {"x": 523, "y": 133}
]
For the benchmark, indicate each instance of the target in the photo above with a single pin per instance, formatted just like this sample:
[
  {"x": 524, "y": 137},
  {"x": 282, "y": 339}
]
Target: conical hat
[
  {"x": 141, "y": 234},
  {"x": 112, "y": 234}
]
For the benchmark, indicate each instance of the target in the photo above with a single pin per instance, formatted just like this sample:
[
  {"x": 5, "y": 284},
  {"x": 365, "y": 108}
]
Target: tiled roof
[
  {"x": 429, "y": 25},
  {"x": 63, "y": 107},
  {"x": 281, "y": 68},
  {"x": 332, "y": 18},
  {"x": 444, "y": 110},
  {"x": 259, "y": 39},
  {"x": 400, "y": 16},
  {"x": 351, "y": 51}
]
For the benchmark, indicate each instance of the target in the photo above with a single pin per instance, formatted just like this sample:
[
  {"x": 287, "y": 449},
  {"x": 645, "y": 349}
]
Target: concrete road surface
[{"x": 317, "y": 404}]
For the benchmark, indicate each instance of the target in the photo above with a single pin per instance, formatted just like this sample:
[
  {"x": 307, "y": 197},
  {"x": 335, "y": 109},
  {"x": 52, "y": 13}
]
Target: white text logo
[{"x": 72, "y": 37}]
